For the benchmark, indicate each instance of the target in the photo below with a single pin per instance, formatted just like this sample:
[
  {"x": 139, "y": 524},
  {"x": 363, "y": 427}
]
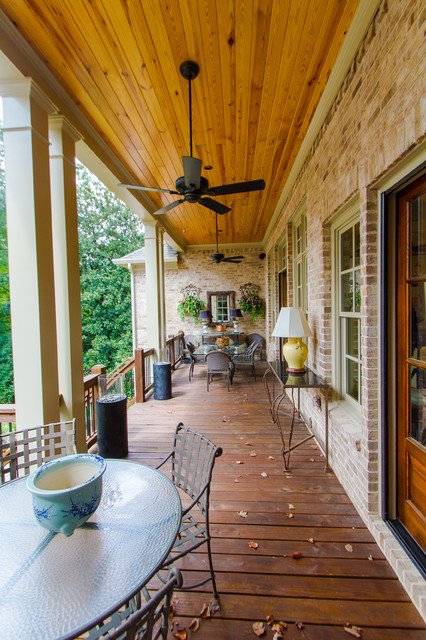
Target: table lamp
[
  {"x": 292, "y": 324},
  {"x": 205, "y": 317},
  {"x": 235, "y": 314}
]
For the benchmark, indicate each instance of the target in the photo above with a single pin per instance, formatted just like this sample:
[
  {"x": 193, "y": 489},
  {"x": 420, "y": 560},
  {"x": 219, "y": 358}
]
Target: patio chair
[
  {"x": 24, "y": 450},
  {"x": 219, "y": 362},
  {"x": 192, "y": 358},
  {"x": 190, "y": 339},
  {"x": 133, "y": 619},
  {"x": 247, "y": 358},
  {"x": 192, "y": 460},
  {"x": 255, "y": 337}
]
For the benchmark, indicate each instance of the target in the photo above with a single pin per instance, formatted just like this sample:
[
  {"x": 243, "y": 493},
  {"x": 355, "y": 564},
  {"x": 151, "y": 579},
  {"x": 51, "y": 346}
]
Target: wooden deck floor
[{"x": 341, "y": 577}]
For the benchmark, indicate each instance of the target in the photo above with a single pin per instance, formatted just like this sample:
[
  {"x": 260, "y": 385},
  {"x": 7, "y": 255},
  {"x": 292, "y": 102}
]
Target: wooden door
[{"x": 411, "y": 359}]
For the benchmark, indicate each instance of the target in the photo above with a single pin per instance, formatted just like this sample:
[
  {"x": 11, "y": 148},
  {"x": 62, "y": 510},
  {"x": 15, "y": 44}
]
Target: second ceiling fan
[
  {"x": 192, "y": 186},
  {"x": 218, "y": 257}
]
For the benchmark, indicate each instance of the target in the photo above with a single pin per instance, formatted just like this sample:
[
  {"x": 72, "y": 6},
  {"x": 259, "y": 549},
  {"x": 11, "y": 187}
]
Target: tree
[{"x": 107, "y": 230}]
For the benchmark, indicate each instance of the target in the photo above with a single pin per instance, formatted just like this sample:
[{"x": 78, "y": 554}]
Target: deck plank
[{"x": 342, "y": 576}]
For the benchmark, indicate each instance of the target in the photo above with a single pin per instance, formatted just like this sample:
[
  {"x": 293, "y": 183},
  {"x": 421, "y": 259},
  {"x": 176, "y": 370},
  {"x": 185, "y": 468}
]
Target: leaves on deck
[
  {"x": 291, "y": 506},
  {"x": 299, "y": 625},
  {"x": 352, "y": 630},
  {"x": 194, "y": 625},
  {"x": 311, "y": 540},
  {"x": 264, "y": 475},
  {"x": 259, "y": 629},
  {"x": 349, "y": 548},
  {"x": 243, "y": 514},
  {"x": 180, "y": 635},
  {"x": 239, "y": 462},
  {"x": 205, "y": 611},
  {"x": 253, "y": 545}
]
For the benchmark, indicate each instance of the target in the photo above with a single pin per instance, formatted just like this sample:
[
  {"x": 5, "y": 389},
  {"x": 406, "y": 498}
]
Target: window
[
  {"x": 300, "y": 261},
  {"x": 348, "y": 309},
  {"x": 222, "y": 311}
]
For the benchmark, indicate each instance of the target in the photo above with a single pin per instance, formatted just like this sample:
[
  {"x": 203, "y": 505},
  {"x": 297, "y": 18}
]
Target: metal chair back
[
  {"x": 258, "y": 339},
  {"x": 24, "y": 450},
  {"x": 219, "y": 362}
]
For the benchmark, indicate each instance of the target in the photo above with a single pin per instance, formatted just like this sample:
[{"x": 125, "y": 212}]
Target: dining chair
[
  {"x": 24, "y": 450},
  {"x": 255, "y": 337},
  {"x": 247, "y": 358},
  {"x": 219, "y": 362},
  {"x": 134, "y": 620},
  {"x": 192, "y": 358},
  {"x": 192, "y": 460},
  {"x": 191, "y": 339}
]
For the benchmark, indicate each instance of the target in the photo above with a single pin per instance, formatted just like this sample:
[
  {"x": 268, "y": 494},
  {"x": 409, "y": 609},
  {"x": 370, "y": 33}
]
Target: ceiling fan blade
[
  {"x": 218, "y": 207},
  {"x": 134, "y": 186},
  {"x": 192, "y": 171},
  {"x": 233, "y": 260},
  {"x": 238, "y": 187},
  {"x": 169, "y": 206}
]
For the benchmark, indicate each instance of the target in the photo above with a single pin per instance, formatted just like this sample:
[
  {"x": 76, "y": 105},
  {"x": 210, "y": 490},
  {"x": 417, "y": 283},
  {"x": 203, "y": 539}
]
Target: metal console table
[{"x": 284, "y": 381}]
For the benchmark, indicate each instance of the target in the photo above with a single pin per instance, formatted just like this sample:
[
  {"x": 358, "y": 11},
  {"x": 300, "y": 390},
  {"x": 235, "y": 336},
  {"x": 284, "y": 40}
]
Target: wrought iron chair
[
  {"x": 133, "y": 619},
  {"x": 255, "y": 337},
  {"x": 219, "y": 362},
  {"x": 24, "y": 450},
  {"x": 192, "y": 460},
  {"x": 191, "y": 339},
  {"x": 247, "y": 358}
]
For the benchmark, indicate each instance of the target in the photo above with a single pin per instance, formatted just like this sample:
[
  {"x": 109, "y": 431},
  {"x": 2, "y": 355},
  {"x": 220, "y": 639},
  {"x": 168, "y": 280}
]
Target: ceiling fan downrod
[{"x": 189, "y": 70}]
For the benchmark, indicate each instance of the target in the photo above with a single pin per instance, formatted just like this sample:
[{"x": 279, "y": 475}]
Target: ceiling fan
[
  {"x": 217, "y": 257},
  {"x": 192, "y": 186}
]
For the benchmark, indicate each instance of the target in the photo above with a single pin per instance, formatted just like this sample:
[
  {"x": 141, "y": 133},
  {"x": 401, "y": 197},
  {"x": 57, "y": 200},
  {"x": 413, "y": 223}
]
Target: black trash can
[
  {"x": 162, "y": 381},
  {"x": 112, "y": 426}
]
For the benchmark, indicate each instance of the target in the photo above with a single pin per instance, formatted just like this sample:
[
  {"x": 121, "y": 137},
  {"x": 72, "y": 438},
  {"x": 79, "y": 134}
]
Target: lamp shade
[
  {"x": 204, "y": 315},
  {"x": 235, "y": 313},
  {"x": 291, "y": 323}
]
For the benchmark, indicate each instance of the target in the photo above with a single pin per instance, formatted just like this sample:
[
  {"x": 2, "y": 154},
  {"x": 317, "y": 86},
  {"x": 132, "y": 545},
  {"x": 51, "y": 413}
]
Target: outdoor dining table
[{"x": 52, "y": 586}]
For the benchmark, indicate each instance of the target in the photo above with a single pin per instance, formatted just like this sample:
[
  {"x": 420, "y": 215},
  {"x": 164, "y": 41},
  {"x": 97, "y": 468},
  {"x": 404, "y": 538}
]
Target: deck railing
[{"x": 134, "y": 377}]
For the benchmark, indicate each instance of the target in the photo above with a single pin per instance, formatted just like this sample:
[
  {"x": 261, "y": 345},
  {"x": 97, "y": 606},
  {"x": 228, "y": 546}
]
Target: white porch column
[
  {"x": 154, "y": 277},
  {"x": 67, "y": 273},
  {"x": 29, "y": 230}
]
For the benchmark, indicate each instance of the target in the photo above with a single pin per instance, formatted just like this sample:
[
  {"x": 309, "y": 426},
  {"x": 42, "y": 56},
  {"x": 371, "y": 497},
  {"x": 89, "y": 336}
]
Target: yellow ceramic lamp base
[{"x": 295, "y": 353}]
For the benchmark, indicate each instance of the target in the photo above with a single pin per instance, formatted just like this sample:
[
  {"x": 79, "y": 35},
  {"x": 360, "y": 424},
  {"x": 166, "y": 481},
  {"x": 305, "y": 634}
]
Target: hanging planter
[
  {"x": 190, "y": 306},
  {"x": 250, "y": 301}
]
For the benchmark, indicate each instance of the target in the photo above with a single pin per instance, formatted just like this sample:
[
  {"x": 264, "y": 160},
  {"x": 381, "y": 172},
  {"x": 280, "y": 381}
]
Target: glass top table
[
  {"x": 290, "y": 382},
  {"x": 52, "y": 586}
]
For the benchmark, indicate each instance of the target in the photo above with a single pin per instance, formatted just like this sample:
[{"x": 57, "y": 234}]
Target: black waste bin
[
  {"x": 162, "y": 381},
  {"x": 112, "y": 426}
]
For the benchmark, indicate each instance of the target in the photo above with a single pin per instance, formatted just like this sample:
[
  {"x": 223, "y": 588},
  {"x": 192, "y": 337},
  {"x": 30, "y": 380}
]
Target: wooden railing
[{"x": 134, "y": 375}]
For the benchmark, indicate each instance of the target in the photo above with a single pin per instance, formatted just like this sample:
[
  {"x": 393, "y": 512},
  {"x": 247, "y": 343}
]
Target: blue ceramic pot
[{"x": 66, "y": 491}]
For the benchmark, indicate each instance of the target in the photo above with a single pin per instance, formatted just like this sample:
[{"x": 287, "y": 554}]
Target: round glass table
[{"x": 52, "y": 586}]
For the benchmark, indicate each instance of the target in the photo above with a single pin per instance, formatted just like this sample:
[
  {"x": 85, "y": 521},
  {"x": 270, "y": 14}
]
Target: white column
[
  {"x": 67, "y": 273},
  {"x": 154, "y": 274},
  {"x": 29, "y": 230}
]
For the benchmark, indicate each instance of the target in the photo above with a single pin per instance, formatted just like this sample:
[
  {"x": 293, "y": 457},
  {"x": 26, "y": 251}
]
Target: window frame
[
  {"x": 300, "y": 258},
  {"x": 347, "y": 219}
]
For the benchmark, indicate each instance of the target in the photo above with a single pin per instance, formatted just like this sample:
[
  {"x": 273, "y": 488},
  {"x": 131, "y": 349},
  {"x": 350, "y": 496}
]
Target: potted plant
[
  {"x": 190, "y": 306},
  {"x": 252, "y": 304}
]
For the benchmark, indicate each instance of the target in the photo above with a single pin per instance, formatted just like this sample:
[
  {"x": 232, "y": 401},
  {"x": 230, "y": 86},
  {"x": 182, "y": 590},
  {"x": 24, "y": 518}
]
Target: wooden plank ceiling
[{"x": 263, "y": 67}]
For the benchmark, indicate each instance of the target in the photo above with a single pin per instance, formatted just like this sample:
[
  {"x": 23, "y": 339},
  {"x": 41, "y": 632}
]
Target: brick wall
[
  {"x": 195, "y": 268},
  {"x": 377, "y": 118}
]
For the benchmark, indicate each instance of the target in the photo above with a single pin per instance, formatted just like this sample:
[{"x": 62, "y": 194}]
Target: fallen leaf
[
  {"x": 236, "y": 480},
  {"x": 349, "y": 548},
  {"x": 214, "y": 606},
  {"x": 243, "y": 514},
  {"x": 354, "y": 631},
  {"x": 194, "y": 625},
  {"x": 205, "y": 611},
  {"x": 288, "y": 475},
  {"x": 370, "y": 557},
  {"x": 180, "y": 635},
  {"x": 312, "y": 459},
  {"x": 279, "y": 627},
  {"x": 253, "y": 454},
  {"x": 291, "y": 506},
  {"x": 247, "y": 444},
  {"x": 259, "y": 628},
  {"x": 297, "y": 555},
  {"x": 264, "y": 475},
  {"x": 271, "y": 458},
  {"x": 169, "y": 410},
  {"x": 270, "y": 619},
  {"x": 299, "y": 625},
  {"x": 239, "y": 462},
  {"x": 290, "y": 515},
  {"x": 311, "y": 540},
  {"x": 314, "y": 446},
  {"x": 278, "y": 636},
  {"x": 253, "y": 545}
]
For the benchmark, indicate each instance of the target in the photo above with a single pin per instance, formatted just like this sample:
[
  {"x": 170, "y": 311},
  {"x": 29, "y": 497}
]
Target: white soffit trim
[{"x": 362, "y": 19}]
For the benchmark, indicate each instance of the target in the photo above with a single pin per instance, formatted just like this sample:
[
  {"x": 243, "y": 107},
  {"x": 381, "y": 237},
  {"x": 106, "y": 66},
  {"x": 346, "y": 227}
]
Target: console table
[
  {"x": 234, "y": 335},
  {"x": 278, "y": 376}
]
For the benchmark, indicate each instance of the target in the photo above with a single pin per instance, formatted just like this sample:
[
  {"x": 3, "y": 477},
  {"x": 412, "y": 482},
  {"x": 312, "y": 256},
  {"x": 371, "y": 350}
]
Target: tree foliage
[{"x": 107, "y": 230}]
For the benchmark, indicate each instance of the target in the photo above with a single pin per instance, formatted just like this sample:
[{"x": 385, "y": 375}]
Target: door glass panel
[
  {"x": 417, "y": 294},
  {"x": 417, "y": 405},
  {"x": 357, "y": 291},
  {"x": 346, "y": 292},
  {"x": 352, "y": 338},
  {"x": 352, "y": 379},
  {"x": 418, "y": 237},
  {"x": 346, "y": 250}
]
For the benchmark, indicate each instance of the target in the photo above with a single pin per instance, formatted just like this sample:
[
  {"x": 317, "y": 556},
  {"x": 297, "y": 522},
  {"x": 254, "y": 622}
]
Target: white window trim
[
  {"x": 295, "y": 221},
  {"x": 346, "y": 218}
]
